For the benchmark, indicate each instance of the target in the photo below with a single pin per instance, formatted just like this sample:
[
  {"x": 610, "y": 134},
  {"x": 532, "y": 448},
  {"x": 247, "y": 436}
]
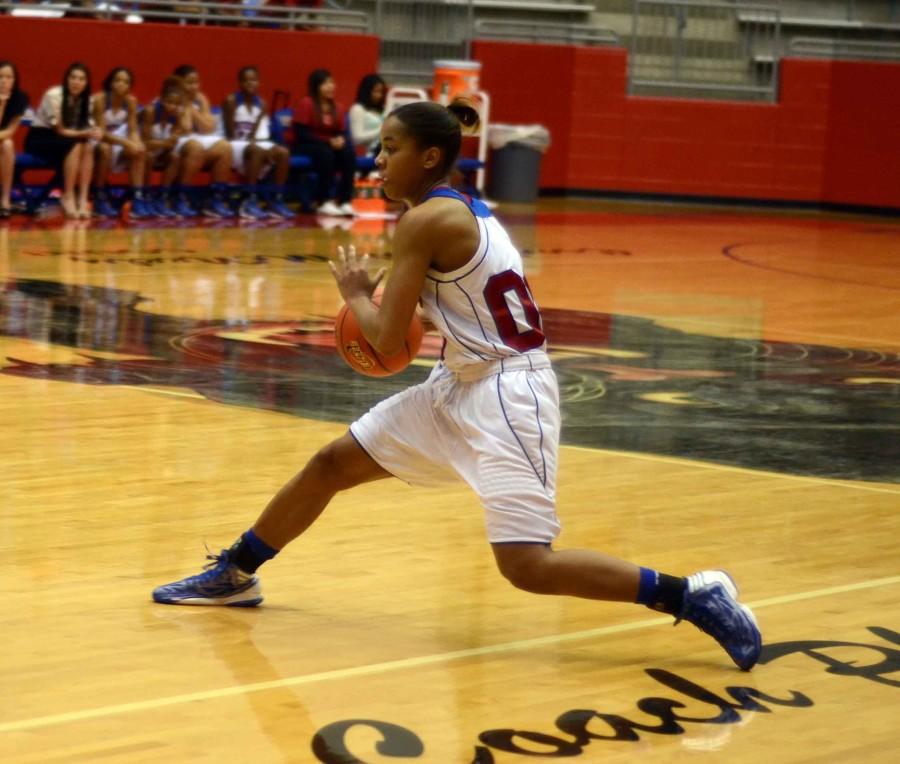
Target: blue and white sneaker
[
  {"x": 223, "y": 583},
  {"x": 141, "y": 209},
  {"x": 280, "y": 210},
  {"x": 250, "y": 210},
  {"x": 217, "y": 209},
  {"x": 182, "y": 208},
  {"x": 710, "y": 603},
  {"x": 103, "y": 207}
]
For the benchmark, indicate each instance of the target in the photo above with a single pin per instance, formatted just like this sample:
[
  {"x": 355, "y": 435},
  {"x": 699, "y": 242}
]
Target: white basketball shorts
[
  {"x": 495, "y": 426},
  {"x": 117, "y": 161},
  {"x": 239, "y": 148}
]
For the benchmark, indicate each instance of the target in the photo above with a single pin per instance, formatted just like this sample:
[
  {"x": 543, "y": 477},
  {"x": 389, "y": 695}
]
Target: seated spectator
[
  {"x": 319, "y": 134},
  {"x": 13, "y": 103},
  {"x": 367, "y": 114},
  {"x": 203, "y": 148},
  {"x": 115, "y": 113},
  {"x": 247, "y": 120},
  {"x": 162, "y": 128},
  {"x": 62, "y": 135}
]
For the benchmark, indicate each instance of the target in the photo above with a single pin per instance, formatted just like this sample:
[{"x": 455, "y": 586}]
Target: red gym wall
[
  {"x": 832, "y": 136},
  {"x": 42, "y": 49}
]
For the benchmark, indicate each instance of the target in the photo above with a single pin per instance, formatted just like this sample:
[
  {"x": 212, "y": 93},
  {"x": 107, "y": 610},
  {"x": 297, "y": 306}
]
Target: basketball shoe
[
  {"x": 223, "y": 583},
  {"x": 710, "y": 603}
]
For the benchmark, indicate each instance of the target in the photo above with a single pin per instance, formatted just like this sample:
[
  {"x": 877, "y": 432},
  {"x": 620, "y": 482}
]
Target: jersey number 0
[{"x": 509, "y": 325}]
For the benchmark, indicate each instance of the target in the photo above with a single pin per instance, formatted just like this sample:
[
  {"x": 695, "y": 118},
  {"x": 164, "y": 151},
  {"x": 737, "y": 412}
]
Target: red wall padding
[
  {"x": 42, "y": 49},
  {"x": 832, "y": 136}
]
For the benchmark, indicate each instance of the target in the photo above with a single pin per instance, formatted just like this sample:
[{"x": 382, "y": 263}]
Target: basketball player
[
  {"x": 162, "y": 128},
  {"x": 115, "y": 112},
  {"x": 202, "y": 148},
  {"x": 488, "y": 414},
  {"x": 247, "y": 129}
]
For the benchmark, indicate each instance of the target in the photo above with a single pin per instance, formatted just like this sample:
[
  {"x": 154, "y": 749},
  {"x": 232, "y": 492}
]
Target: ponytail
[{"x": 467, "y": 115}]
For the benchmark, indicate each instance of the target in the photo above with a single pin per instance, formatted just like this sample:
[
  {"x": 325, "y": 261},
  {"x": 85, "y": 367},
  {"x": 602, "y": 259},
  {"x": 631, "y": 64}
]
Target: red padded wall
[
  {"x": 862, "y": 160},
  {"x": 42, "y": 49},
  {"x": 832, "y": 136},
  {"x": 528, "y": 84}
]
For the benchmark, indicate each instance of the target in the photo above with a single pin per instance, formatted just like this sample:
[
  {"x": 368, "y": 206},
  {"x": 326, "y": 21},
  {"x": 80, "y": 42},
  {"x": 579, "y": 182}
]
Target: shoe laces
[
  {"x": 712, "y": 616},
  {"x": 217, "y": 564}
]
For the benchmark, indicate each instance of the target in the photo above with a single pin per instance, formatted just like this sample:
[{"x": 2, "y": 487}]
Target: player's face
[
  {"x": 7, "y": 80},
  {"x": 171, "y": 104},
  {"x": 327, "y": 88},
  {"x": 250, "y": 82},
  {"x": 402, "y": 163},
  {"x": 192, "y": 84},
  {"x": 77, "y": 82},
  {"x": 121, "y": 84},
  {"x": 378, "y": 94}
]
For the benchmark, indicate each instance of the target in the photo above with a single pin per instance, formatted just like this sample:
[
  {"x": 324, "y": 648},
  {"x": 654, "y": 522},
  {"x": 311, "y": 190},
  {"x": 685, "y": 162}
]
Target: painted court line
[
  {"x": 647, "y": 457},
  {"x": 857, "y": 486},
  {"x": 405, "y": 663},
  {"x": 156, "y": 390}
]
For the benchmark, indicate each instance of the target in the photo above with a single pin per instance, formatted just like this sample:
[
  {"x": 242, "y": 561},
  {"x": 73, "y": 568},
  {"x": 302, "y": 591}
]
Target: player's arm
[
  {"x": 204, "y": 119},
  {"x": 133, "y": 131},
  {"x": 386, "y": 327},
  {"x": 228, "y": 108}
]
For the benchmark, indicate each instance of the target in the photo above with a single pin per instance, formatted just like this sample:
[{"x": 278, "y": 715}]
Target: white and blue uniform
[
  {"x": 489, "y": 412},
  {"x": 116, "y": 122},
  {"x": 206, "y": 140},
  {"x": 162, "y": 127},
  {"x": 245, "y": 117}
]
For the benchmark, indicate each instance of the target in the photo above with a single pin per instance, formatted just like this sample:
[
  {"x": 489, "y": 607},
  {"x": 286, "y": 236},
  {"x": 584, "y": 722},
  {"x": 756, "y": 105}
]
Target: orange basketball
[{"x": 362, "y": 357}]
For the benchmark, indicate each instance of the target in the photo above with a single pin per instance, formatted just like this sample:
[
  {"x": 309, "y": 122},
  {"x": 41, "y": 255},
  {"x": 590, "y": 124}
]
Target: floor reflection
[{"x": 627, "y": 382}]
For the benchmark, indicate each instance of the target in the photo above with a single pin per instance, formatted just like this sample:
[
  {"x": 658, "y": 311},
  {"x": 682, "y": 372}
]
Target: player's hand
[{"x": 352, "y": 274}]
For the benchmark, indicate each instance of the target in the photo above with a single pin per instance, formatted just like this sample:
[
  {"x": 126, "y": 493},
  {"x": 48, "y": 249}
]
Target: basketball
[{"x": 362, "y": 357}]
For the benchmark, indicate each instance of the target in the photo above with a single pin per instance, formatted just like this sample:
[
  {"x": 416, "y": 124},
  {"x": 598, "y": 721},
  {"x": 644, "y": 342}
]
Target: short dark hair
[
  {"x": 431, "y": 124},
  {"x": 246, "y": 70},
  {"x": 184, "y": 70},
  {"x": 171, "y": 85}
]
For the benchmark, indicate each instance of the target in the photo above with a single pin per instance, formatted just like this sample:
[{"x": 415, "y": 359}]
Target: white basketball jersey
[
  {"x": 114, "y": 119},
  {"x": 162, "y": 123},
  {"x": 245, "y": 116},
  {"x": 484, "y": 310}
]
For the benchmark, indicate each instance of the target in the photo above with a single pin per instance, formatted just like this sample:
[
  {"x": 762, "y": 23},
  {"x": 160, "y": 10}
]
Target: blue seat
[
  {"x": 31, "y": 162},
  {"x": 469, "y": 164}
]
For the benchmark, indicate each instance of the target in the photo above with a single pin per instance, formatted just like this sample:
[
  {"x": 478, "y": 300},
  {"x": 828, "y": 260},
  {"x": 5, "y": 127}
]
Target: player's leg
[
  {"x": 518, "y": 447},
  {"x": 279, "y": 157},
  {"x": 250, "y": 166},
  {"x": 230, "y": 579},
  {"x": 537, "y": 568},
  {"x": 338, "y": 466}
]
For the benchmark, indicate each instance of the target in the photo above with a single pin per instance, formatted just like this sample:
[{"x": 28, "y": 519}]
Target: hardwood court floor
[{"x": 730, "y": 387}]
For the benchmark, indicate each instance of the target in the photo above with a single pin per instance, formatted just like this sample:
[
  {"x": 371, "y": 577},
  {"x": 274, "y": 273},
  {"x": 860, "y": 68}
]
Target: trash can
[{"x": 516, "y": 161}]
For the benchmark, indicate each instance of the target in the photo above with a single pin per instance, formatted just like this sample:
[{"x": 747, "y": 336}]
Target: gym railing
[
  {"x": 868, "y": 50},
  {"x": 702, "y": 49},
  {"x": 198, "y": 12},
  {"x": 528, "y": 31}
]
